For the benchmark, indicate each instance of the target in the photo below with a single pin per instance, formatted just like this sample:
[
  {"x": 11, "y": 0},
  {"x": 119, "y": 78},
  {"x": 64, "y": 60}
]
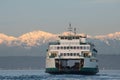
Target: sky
[{"x": 93, "y": 17}]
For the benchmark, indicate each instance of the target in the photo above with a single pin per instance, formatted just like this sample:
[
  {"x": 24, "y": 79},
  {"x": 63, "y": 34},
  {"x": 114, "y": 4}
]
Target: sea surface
[{"x": 41, "y": 75}]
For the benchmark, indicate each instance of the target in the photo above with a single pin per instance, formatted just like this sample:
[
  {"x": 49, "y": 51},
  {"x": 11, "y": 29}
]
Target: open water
[{"x": 41, "y": 75}]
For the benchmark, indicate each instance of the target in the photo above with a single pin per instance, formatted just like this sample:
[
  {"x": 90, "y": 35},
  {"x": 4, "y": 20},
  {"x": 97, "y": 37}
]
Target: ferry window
[
  {"x": 70, "y": 38},
  {"x": 64, "y": 54},
  {"x": 88, "y": 47},
  {"x": 68, "y": 47},
  {"x": 53, "y": 54},
  {"x": 77, "y": 37},
  {"x": 74, "y": 47},
  {"x": 77, "y": 54},
  {"x": 85, "y": 47},
  {"x": 65, "y": 37},
  {"x": 61, "y": 47},
  {"x": 67, "y": 54},
  {"x": 70, "y": 54},
  {"x": 74, "y": 54},
  {"x": 62, "y": 37},
  {"x": 77, "y": 47},
  {"x": 73, "y": 37},
  {"x": 71, "y": 47},
  {"x": 81, "y": 47},
  {"x": 64, "y": 47},
  {"x": 58, "y": 47},
  {"x": 86, "y": 55}
]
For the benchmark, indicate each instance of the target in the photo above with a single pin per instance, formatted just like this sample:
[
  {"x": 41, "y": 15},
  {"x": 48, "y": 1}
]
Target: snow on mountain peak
[
  {"x": 32, "y": 38},
  {"x": 35, "y": 35},
  {"x": 35, "y": 38},
  {"x": 28, "y": 39},
  {"x": 115, "y": 35},
  {"x": 6, "y": 39}
]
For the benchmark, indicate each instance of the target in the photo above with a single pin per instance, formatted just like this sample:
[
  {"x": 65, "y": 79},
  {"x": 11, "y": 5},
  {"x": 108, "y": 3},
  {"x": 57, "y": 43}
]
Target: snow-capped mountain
[
  {"x": 6, "y": 39},
  {"x": 115, "y": 35},
  {"x": 34, "y": 38},
  {"x": 37, "y": 40}
]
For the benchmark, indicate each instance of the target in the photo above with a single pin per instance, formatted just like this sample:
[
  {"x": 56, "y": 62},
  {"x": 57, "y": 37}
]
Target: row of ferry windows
[
  {"x": 71, "y": 47},
  {"x": 70, "y": 37},
  {"x": 69, "y": 54}
]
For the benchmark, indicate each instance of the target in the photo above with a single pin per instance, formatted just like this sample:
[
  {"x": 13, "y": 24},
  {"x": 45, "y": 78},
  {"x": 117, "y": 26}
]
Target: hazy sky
[{"x": 92, "y": 17}]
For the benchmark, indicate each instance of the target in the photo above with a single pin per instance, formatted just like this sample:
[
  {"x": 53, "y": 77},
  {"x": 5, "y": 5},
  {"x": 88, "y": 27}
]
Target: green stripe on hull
[
  {"x": 81, "y": 71},
  {"x": 49, "y": 70},
  {"x": 89, "y": 70}
]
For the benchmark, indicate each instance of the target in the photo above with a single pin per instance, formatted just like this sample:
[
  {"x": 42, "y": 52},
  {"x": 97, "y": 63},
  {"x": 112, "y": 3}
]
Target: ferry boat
[{"x": 71, "y": 54}]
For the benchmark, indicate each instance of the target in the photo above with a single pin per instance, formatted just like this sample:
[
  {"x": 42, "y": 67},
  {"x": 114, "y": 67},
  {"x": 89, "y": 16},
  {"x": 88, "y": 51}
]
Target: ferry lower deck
[{"x": 71, "y": 66}]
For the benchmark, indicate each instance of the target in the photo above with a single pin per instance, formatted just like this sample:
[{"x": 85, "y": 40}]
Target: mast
[
  {"x": 75, "y": 31},
  {"x": 70, "y": 29}
]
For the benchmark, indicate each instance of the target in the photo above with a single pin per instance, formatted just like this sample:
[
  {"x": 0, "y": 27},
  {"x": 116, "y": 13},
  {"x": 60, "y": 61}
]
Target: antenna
[
  {"x": 75, "y": 31},
  {"x": 70, "y": 28}
]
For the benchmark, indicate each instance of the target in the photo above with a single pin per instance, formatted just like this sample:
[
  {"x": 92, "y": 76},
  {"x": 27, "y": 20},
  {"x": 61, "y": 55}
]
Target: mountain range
[{"x": 35, "y": 43}]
